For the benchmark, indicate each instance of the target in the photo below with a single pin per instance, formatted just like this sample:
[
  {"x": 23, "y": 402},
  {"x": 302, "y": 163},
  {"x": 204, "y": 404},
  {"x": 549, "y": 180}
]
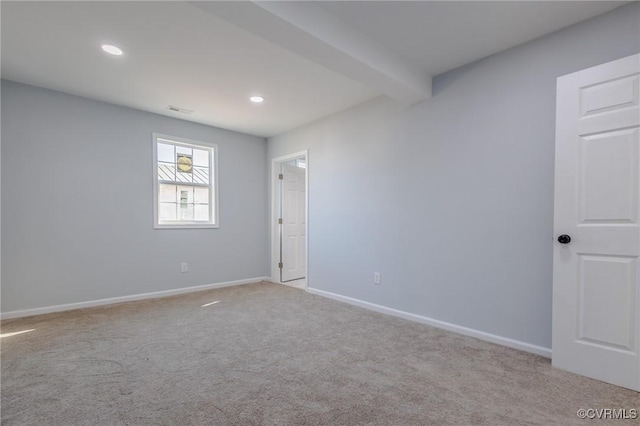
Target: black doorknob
[{"x": 564, "y": 239}]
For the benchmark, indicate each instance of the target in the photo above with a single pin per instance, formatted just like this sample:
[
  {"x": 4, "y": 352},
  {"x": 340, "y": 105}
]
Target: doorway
[{"x": 289, "y": 220}]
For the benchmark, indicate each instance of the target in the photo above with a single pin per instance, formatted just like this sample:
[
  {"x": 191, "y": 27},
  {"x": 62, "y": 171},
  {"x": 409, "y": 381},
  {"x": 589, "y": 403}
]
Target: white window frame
[{"x": 213, "y": 182}]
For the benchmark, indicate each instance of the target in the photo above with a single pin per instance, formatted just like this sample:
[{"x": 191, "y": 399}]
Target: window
[{"x": 184, "y": 183}]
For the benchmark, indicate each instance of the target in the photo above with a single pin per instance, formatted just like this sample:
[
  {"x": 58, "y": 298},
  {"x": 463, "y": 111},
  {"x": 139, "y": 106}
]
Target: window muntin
[{"x": 185, "y": 194}]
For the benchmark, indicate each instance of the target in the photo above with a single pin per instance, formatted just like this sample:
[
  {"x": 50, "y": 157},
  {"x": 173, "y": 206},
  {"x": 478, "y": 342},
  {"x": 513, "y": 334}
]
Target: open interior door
[{"x": 596, "y": 272}]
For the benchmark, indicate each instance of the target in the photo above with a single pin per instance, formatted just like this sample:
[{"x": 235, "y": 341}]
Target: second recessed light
[
  {"x": 111, "y": 49},
  {"x": 256, "y": 99}
]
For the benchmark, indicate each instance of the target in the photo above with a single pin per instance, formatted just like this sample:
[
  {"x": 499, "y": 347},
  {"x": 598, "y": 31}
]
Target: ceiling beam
[{"x": 310, "y": 31}]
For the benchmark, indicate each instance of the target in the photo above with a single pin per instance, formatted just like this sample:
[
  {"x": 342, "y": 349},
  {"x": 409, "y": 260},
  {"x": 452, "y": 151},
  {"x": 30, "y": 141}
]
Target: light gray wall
[
  {"x": 452, "y": 199},
  {"x": 77, "y": 215}
]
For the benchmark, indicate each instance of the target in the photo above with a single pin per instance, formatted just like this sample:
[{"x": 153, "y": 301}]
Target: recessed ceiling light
[
  {"x": 114, "y": 50},
  {"x": 256, "y": 99}
]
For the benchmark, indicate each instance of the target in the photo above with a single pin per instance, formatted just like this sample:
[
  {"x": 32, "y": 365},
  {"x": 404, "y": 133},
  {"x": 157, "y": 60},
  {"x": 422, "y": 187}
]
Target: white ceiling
[
  {"x": 308, "y": 59},
  {"x": 175, "y": 54},
  {"x": 439, "y": 36}
]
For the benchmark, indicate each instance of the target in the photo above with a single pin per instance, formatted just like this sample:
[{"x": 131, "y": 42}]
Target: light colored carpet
[{"x": 266, "y": 354}]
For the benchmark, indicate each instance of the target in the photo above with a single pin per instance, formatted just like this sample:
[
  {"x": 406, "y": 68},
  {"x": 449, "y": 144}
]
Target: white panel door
[
  {"x": 293, "y": 238},
  {"x": 596, "y": 290}
]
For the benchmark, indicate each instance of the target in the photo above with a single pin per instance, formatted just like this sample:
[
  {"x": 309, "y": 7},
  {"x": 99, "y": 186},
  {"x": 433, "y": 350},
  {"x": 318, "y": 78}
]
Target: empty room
[{"x": 320, "y": 213}]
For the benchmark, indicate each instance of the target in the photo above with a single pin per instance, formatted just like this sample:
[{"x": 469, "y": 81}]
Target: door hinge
[
  {"x": 280, "y": 176},
  {"x": 280, "y": 221},
  {"x": 280, "y": 265}
]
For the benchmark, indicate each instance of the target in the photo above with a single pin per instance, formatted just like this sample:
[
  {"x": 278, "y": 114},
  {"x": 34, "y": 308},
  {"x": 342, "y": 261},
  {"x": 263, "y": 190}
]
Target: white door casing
[
  {"x": 596, "y": 276},
  {"x": 293, "y": 223}
]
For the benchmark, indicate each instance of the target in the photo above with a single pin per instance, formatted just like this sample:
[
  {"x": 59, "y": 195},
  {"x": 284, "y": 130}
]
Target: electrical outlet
[
  {"x": 377, "y": 278},
  {"x": 184, "y": 267}
]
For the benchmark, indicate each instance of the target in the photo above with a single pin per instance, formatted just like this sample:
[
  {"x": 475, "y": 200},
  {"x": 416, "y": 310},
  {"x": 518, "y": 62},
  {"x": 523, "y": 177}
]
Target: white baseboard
[
  {"x": 504, "y": 341},
  {"x": 130, "y": 298}
]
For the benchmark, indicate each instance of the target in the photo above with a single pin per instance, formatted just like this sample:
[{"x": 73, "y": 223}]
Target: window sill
[{"x": 187, "y": 226}]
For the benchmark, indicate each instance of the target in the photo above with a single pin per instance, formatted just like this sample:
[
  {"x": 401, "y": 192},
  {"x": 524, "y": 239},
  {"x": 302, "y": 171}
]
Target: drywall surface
[
  {"x": 452, "y": 199},
  {"x": 77, "y": 212}
]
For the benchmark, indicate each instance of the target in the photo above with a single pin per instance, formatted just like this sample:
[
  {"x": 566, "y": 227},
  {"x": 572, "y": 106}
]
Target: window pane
[
  {"x": 185, "y": 194},
  {"x": 200, "y": 175},
  {"x": 183, "y": 150},
  {"x": 166, "y": 171},
  {"x": 185, "y": 212},
  {"x": 167, "y": 212},
  {"x": 184, "y": 163},
  {"x": 167, "y": 194},
  {"x": 202, "y": 212},
  {"x": 201, "y": 195},
  {"x": 200, "y": 158},
  {"x": 165, "y": 153},
  {"x": 184, "y": 177}
]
